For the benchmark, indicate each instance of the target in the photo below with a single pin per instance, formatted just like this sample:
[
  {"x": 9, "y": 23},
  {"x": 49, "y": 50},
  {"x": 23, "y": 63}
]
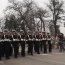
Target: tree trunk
[{"x": 43, "y": 23}]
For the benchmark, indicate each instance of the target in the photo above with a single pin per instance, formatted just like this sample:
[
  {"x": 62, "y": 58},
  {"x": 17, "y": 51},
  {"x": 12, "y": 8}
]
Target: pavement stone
[{"x": 54, "y": 58}]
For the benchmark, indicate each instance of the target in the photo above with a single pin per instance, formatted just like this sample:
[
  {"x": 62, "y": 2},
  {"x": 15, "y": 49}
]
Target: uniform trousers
[
  {"x": 44, "y": 46},
  {"x": 11, "y": 48},
  {"x": 41, "y": 46},
  {"x": 15, "y": 48},
  {"x": 49, "y": 46},
  {"x": 0, "y": 50},
  {"x": 7, "y": 49},
  {"x": 37, "y": 47},
  {"x": 61, "y": 45},
  {"x": 3, "y": 49},
  {"x": 30, "y": 47},
  {"x": 22, "y": 43}
]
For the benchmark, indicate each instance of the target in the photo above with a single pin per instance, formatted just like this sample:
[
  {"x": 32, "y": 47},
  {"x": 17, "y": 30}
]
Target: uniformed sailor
[
  {"x": 2, "y": 42},
  {"x": 41, "y": 44},
  {"x": 61, "y": 42},
  {"x": 34, "y": 41},
  {"x": 37, "y": 43},
  {"x": 22, "y": 42},
  {"x": 49, "y": 42},
  {"x": 1, "y": 45},
  {"x": 44, "y": 41},
  {"x": 30, "y": 43},
  {"x": 10, "y": 41},
  {"x": 7, "y": 44},
  {"x": 0, "y": 50},
  {"x": 15, "y": 43}
]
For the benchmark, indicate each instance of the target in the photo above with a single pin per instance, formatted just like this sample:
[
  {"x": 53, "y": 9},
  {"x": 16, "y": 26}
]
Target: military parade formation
[{"x": 11, "y": 42}]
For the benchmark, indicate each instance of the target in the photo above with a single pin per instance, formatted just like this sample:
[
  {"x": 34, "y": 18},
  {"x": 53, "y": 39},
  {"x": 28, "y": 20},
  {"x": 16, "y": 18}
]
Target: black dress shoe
[
  {"x": 31, "y": 53},
  {"x": 23, "y": 55},
  {"x": 7, "y": 58},
  {"x": 16, "y": 56},
  {"x": 38, "y": 53},
  {"x": 0, "y": 59}
]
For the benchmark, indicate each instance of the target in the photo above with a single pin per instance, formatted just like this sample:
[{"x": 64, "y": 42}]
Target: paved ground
[{"x": 55, "y": 58}]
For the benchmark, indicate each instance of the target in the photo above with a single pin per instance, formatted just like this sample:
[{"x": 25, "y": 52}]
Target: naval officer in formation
[
  {"x": 1, "y": 45},
  {"x": 11, "y": 40},
  {"x": 30, "y": 42},
  {"x": 22, "y": 42},
  {"x": 15, "y": 43}
]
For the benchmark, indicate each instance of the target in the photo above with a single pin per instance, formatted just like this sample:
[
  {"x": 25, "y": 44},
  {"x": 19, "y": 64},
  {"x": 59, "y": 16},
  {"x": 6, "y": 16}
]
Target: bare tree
[
  {"x": 29, "y": 14},
  {"x": 25, "y": 12},
  {"x": 41, "y": 14},
  {"x": 56, "y": 9},
  {"x": 11, "y": 22}
]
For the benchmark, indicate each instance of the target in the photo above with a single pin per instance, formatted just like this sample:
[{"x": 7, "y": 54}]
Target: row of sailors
[{"x": 10, "y": 41}]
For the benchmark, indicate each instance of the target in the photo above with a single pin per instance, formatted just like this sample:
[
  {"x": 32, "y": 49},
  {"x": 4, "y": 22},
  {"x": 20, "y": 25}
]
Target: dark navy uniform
[
  {"x": 15, "y": 44},
  {"x": 11, "y": 47},
  {"x": 0, "y": 50},
  {"x": 2, "y": 42},
  {"x": 37, "y": 44},
  {"x": 30, "y": 44},
  {"x": 49, "y": 43},
  {"x": 34, "y": 36},
  {"x": 7, "y": 45},
  {"x": 0, "y": 45},
  {"x": 44, "y": 39},
  {"x": 22, "y": 43},
  {"x": 61, "y": 42},
  {"x": 41, "y": 44}
]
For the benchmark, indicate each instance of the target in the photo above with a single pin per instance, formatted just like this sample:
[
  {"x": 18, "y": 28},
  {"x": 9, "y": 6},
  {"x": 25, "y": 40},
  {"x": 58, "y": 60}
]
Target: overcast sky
[{"x": 4, "y": 4}]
